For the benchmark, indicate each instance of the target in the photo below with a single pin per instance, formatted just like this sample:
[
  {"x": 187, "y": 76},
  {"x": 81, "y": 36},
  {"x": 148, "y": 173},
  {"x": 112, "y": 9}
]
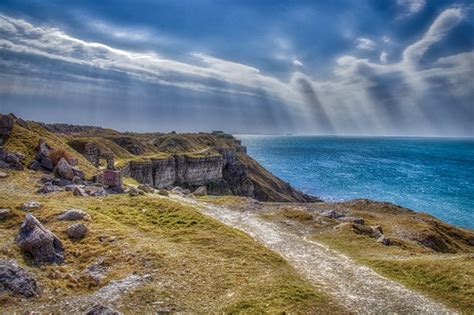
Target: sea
[{"x": 432, "y": 175}]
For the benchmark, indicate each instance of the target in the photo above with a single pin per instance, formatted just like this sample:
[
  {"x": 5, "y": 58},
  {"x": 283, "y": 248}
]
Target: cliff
[{"x": 217, "y": 160}]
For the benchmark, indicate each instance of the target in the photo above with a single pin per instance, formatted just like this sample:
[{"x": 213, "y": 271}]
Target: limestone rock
[
  {"x": 356, "y": 220},
  {"x": 77, "y": 231},
  {"x": 64, "y": 170},
  {"x": 31, "y": 205},
  {"x": 100, "y": 309},
  {"x": 135, "y": 192},
  {"x": 78, "y": 173},
  {"x": 16, "y": 280},
  {"x": 200, "y": 191},
  {"x": 333, "y": 214},
  {"x": 6, "y": 126},
  {"x": 34, "y": 239},
  {"x": 5, "y": 213},
  {"x": 3, "y": 175},
  {"x": 73, "y": 215},
  {"x": 34, "y": 165},
  {"x": 146, "y": 188},
  {"x": 78, "y": 191},
  {"x": 48, "y": 188},
  {"x": 384, "y": 240}
]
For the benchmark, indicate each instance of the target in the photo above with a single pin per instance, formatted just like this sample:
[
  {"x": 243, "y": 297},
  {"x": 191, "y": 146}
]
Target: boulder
[
  {"x": 384, "y": 240},
  {"x": 100, "y": 309},
  {"x": 377, "y": 231},
  {"x": 163, "y": 192},
  {"x": 77, "y": 231},
  {"x": 16, "y": 280},
  {"x": 48, "y": 188},
  {"x": 78, "y": 173},
  {"x": 76, "y": 180},
  {"x": 146, "y": 188},
  {"x": 73, "y": 215},
  {"x": 44, "y": 150},
  {"x": 356, "y": 220},
  {"x": 78, "y": 191},
  {"x": 3, "y": 175},
  {"x": 34, "y": 239},
  {"x": 5, "y": 213},
  {"x": 135, "y": 192},
  {"x": 6, "y": 126},
  {"x": 333, "y": 214},
  {"x": 34, "y": 165},
  {"x": 31, "y": 205},
  {"x": 200, "y": 191},
  {"x": 64, "y": 170}
]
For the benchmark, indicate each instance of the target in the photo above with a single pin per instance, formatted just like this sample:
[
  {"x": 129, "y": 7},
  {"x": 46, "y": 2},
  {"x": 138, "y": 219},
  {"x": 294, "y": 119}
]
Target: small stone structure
[
  {"x": 94, "y": 154},
  {"x": 111, "y": 178}
]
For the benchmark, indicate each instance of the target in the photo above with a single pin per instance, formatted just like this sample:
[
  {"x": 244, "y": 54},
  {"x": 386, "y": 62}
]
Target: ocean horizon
[{"x": 426, "y": 174}]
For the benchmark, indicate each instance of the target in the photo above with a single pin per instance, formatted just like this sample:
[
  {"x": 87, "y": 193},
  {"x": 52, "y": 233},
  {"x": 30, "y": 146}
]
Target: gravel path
[{"x": 358, "y": 288}]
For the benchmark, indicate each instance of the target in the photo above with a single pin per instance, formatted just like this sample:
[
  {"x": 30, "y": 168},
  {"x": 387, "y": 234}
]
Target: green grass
[
  {"x": 197, "y": 263},
  {"x": 448, "y": 278}
]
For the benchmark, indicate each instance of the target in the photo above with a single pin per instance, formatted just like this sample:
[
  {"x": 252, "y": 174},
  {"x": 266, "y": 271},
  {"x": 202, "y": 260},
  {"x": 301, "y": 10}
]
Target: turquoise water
[{"x": 433, "y": 175}]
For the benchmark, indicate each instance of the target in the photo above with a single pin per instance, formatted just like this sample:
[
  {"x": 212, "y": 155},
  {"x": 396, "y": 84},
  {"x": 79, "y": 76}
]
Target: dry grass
[
  {"x": 197, "y": 264},
  {"x": 57, "y": 154}
]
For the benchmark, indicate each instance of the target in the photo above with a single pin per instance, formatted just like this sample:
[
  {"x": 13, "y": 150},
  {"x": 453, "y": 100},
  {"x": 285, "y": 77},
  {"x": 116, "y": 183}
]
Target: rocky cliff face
[{"x": 177, "y": 170}]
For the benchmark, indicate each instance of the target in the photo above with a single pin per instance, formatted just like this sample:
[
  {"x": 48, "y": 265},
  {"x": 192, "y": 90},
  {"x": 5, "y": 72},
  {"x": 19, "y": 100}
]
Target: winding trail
[{"x": 358, "y": 288}]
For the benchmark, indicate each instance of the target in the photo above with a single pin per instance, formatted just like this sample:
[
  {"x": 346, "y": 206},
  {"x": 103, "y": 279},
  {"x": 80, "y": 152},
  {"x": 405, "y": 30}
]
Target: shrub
[{"x": 57, "y": 154}]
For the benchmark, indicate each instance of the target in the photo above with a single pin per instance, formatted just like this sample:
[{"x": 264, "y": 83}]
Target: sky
[{"x": 340, "y": 67}]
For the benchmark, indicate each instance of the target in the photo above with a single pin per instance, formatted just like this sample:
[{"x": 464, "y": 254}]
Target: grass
[
  {"x": 197, "y": 263},
  {"x": 26, "y": 141}
]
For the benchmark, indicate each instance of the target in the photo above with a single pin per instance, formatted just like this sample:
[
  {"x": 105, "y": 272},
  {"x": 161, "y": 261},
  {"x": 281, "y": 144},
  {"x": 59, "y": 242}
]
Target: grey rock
[
  {"x": 4, "y": 164},
  {"x": 34, "y": 165},
  {"x": 384, "y": 240},
  {"x": 356, "y": 220},
  {"x": 49, "y": 188},
  {"x": 22, "y": 123},
  {"x": 78, "y": 191},
  {"x": 200, "y": 191},
  {"x": 77, "y": 231},
  {"x": 3, "y": 175},
  {"x": 78, "y": 173},
  {"x": 16, "y": 280},
  {"x": 146, "y": 188},
  {"x": 333, "y": 214},
  {"x": 6, "y": 126},
  {"x": 100, "y": 309},
  {"x": 34, "y": 239},
  {"x": 77, "y": 180},
  {"x": 73, "y": 214},
  {"x": 5, "y": 213},
  {"x": 135, "y": 192},
  {"x": 64, "y": 170},
  {"x": 377, "y": 230},
  {"x": 31, "y": 205}
]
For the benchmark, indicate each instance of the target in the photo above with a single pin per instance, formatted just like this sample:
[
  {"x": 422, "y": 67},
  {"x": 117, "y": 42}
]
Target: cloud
[
  {"x": 365, "y": 43},
  {"x": 362, "y": 96},
  {"x": 411, "y": 7},
  {"x": 384, "y": 57},
  {"x": 447, "y": 20},
  {"x": 296, "y": 62}
]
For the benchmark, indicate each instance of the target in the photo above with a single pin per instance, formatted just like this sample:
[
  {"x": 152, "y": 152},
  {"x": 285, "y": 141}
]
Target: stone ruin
[
  {"x": 110, "y": 176},
  {"x": 94, "y": 154}
]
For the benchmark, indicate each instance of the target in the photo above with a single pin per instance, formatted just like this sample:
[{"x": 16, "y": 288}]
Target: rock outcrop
[
  {"x": 16, "y": 280},
  {"x": 34, "y": 239},
  {"x": 73, "y": 215},
  {"x": 176, "y": 170}
]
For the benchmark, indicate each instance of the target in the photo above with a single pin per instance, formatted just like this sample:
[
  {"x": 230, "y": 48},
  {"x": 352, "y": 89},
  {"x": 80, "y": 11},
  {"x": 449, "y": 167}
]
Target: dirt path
[{"x": 357, "y": 287}]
